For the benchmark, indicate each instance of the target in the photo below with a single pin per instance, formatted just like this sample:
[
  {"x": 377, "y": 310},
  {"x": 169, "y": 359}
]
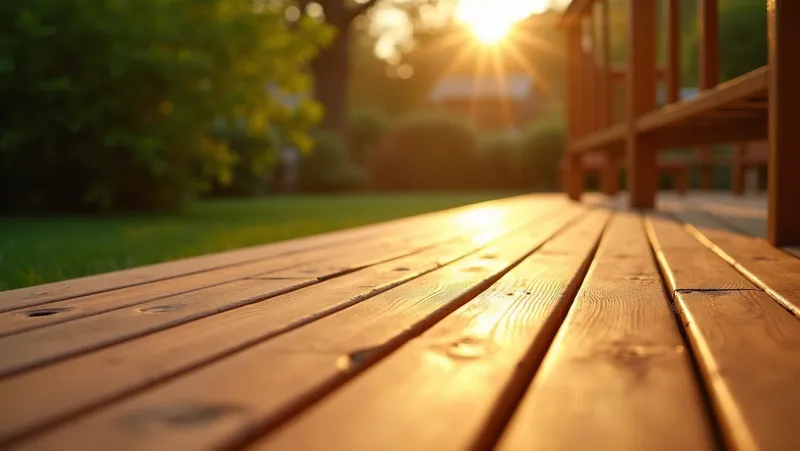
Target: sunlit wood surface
[{"x": 525, "y": 323}]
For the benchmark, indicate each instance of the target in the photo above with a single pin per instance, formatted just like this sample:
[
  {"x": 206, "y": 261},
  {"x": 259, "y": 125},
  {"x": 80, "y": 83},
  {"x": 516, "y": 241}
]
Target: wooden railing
[{"x": 760, "y": 105}]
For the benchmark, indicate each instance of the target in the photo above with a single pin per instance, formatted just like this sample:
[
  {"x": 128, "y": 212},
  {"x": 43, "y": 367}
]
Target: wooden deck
[{"x": 525, "y": 323}]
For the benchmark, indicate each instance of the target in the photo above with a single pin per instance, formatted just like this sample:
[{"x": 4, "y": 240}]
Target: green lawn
[{"x": 39, "y": 250}]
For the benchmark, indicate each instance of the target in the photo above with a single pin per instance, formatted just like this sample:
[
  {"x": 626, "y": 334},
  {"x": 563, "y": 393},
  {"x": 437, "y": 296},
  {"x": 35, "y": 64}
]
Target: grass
[{"x": 40, "y": 250}]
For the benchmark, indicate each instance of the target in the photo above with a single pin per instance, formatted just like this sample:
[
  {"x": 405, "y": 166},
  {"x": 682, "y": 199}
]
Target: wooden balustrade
[{"x": 754, "y": 107}]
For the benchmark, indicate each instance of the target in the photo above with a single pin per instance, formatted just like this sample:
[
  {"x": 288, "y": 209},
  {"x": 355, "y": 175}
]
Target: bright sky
[{"x": 489, "y": 20}]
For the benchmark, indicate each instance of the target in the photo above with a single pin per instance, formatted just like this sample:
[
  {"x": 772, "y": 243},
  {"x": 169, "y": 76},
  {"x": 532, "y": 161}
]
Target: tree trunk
[{"x": 331, "y": 70}]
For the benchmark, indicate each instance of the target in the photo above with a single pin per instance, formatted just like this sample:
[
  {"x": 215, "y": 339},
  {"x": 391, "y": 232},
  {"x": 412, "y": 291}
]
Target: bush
[
  {"x": 110, "y": 104},
  {"x": 326, "y": 168},
  {"x": 500, "y": 163},
  {"x": 543, "y": 147},
  {"x": 427, "y": 152},
  {"x": 365, "y": 132}
]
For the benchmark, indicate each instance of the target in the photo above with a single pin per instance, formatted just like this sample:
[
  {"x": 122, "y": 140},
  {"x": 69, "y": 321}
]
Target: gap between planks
[
  {"x": 283, "y": 376},
  {"x": 134, "y": 364},
  {"x": 321, "y": 264}
]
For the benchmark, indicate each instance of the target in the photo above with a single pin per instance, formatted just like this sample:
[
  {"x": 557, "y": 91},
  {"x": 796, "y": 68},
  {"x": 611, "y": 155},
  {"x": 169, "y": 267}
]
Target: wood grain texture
[
  {"x": 262, "y": 383},
  {"x": 321, "y": 263},
  {"x": 29, "y": 349},
  {"x": 32, "y": 402},
  {"x": 467, "y": 371},
  {"x": 783, "y": 219},
  {"x": 748, "y": 348},
  {"x": 617, "y": 376},
  {"x": 687, "y": 263},
  {"x": 42, "y": 294},
  {"x": 769, "y": 268}
]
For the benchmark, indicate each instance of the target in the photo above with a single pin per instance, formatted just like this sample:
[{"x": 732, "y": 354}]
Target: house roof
[{"x": 459, "y": 87}]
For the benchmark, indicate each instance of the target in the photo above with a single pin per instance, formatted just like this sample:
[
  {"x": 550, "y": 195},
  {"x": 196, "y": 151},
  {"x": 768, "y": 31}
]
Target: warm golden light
[{"x": 492, "y": 20}]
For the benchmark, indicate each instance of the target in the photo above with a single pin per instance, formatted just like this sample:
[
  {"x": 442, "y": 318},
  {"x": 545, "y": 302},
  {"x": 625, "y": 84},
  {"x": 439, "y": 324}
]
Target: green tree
[{"x": 111, "y": 104}]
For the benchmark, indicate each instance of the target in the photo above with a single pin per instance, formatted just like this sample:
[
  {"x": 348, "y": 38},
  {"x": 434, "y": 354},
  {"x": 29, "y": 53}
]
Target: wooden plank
[
  {"x": 467, "y": 371},
  {"x": 35, "y": 347},
  {"x": 376, "y": 325},
  {"x": 642, "y": 169},
  {"x": 708, "y": 21},
  {"x": 694, "y": 133},
  {"x": 42, "y": 294},
  {"x": 769, "y": 268},
  {"x": 688, "y": 264},
  {"x": 749, "y": 85},
  {"x": 617, "y": 376},
  {"x": 746, "y": 345},
  {"x": 783, "y": 219},
  {"x": 748, "y": 349},
  {"x": 600, "y": 139},
  {"x": 319, "y": 263},
  {"x": 673, "y": 41},
  {"x": 31, "y": 402}
]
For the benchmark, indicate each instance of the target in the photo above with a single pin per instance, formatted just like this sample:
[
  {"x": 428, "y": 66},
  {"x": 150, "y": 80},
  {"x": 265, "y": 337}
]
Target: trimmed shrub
[
  {"x": 431, "y": 151},
  {"x": 500, "y": 163},
  {"x": 327, "y": 169},
  {"x": 543, "y": 146},
  {"x": 365, "y": 131}
]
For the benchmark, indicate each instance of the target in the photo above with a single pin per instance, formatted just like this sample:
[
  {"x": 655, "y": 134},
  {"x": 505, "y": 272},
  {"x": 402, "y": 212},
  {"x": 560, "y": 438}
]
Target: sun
[
  {"x": 490, "y": 31},
  {"x": 492, "y": 20}
]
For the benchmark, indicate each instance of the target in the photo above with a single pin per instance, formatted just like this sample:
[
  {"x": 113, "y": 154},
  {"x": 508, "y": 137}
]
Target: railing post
[
  {"x": 708, "y": 28},
  {"x": 589, "y": 73},
  {"x": 783, "y": 218},
  {"x": 607, "y": 81},
  {"x": 573, "y": 171},
  {"x": 642, "y": 80},
  {"x": 673, "y": 29},
  {"x": 610, "y": 174}
]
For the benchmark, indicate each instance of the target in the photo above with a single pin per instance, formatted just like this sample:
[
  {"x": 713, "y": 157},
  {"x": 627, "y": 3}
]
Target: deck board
[
  {"x": 403, "y": 335},
  {"x": 139, "y": 362},
  {"x": 617, "y": 376},
  {"x": 747, "y": 346},
  {"x": 467, "y": 371},
  {"x": 317, "y": 263},
  {"x": 260, "y": 391},
  {"x": 56, "y": 291}
]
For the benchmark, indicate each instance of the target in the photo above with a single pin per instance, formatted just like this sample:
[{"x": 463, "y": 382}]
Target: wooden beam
[
  {"x": 642, "y": 78},
  {"x": 589, "y": 73},
  {"x": 572, "y": 177},
  {"x": 673, "y": 40},
  {"x": 708, "y": 18},
  {"x": 608, "y": 82},
  {"x": 783, "y": 218}
]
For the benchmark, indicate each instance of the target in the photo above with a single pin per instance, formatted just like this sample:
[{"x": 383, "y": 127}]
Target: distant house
[{"x": 491, "y": 102}]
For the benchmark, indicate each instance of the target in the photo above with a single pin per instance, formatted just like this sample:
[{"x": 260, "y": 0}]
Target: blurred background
[{"x": 139, "y": 131}]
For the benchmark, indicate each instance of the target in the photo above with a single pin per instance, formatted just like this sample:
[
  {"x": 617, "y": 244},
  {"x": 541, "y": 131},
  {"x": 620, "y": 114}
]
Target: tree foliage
[{"x": 111, "y": 104}]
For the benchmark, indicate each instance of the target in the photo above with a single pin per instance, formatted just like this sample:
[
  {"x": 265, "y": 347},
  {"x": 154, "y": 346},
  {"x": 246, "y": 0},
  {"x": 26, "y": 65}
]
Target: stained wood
[
  {"x": 783, "y": 220},
  {"x": 31, "y": 401},
  {"x": 752, "y": 84},
  {"x": 618, "y": 376},
  {"x": 687, "y": 263},
  {"x": 42, "y": 294},
  {"x": 466, "y": 371},
  {"x": 708, "y": 21},
  {"x": 642, "y": 79},
  {"x": 319, "y": 263},
  {"x": 769, "y": 268},
  {"x": 748, "y": 349},
  {"x": 673, "y": 41},
  {"x": 266, "y": 380}
]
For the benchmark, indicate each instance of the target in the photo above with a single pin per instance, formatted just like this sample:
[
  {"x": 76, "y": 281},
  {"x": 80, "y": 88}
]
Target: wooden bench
[
  {"x": 756, "y": 106},
  {"x": 525, "y": 323}
]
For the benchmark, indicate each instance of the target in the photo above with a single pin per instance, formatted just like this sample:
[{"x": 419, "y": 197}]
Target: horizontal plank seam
[
  {"x": 387, "y": 224},
  {"x": 374, "y": 355},
  {"x": 741, "y": 269},
  {"x": 704, "y": 388},
  {"x": 263, "y": 276},
  {"x": 251, "y": 343}
]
